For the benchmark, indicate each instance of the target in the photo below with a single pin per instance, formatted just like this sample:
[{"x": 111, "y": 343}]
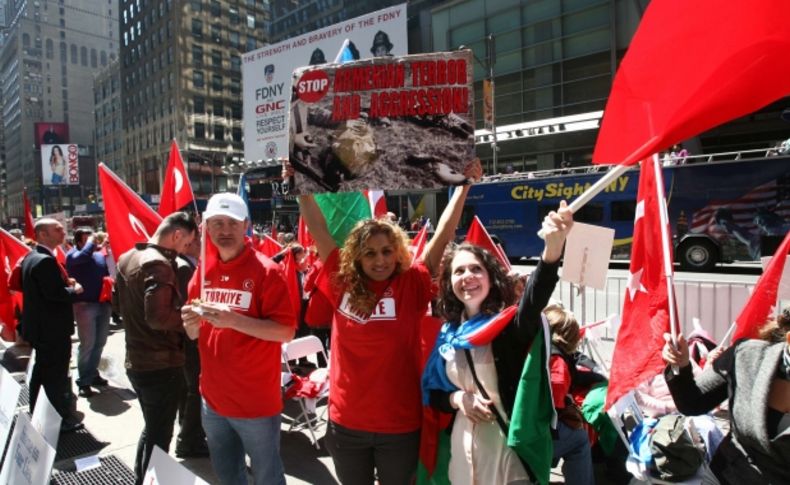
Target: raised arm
[
  {"x": 695, "y": 396},
  {"x": 448, "y": 222},
  {"x": 316, "y": 224}
]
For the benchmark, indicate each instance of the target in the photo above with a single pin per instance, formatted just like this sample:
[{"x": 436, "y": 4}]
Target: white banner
[
  {"x": 9, "y": 396},
  {"x": 29, "y": 459},
  {"x": 60, "y": 164},
  {"x": 267, "y": 72}
]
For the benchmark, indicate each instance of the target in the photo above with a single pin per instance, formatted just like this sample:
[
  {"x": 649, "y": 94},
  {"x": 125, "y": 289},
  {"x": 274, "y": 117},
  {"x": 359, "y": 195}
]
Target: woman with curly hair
[
  {"x": 380, "y": 296},
  {"x": 475, "y": 368}
]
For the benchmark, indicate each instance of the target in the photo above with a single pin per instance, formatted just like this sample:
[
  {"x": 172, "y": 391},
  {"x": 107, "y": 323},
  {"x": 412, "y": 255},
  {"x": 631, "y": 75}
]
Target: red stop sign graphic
[{"x": 312, "y": 86}]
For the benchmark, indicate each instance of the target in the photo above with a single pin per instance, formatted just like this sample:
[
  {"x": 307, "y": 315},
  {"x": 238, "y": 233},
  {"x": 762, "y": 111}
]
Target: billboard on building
[
  {"x": 383, "y": 123},
  {"x": 267, "y": 72},
  {"x": 51, "y": 133},
  {"x": 60, "y": 164}
]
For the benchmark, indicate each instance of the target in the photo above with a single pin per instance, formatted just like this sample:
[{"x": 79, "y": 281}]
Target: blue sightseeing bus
[{"x": 719, "y": 211}]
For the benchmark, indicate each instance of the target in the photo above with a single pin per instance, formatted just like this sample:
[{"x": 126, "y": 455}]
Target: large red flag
[
  {"x": 129, "y": 219},
  {"x": 757, "y": 310},
  {"x": 30, "y": 231},
  {"x": 691, "y": 66},
  {"x": 645, "y": 317},
  {"x": 11, "y": 251},
  {"x": 478, "y": 235},
  {"x": 176, "y": 188},
  {"x": 306, "y": 240}
]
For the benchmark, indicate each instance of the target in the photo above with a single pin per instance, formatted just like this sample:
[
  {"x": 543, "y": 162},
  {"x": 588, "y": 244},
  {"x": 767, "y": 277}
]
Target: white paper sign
[
  {"x": 46, "y": 420},
  {"x": 783, "y": 292},
  {"x": 9, "y": 396},
  {"x": 587, "y": 253},
  {"x": 165, "y": 470},
  {"x": 29, "y": 459}
]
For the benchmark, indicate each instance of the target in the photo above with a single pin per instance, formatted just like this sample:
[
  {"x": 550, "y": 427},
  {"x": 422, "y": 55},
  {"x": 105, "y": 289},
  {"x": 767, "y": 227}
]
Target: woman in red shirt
[{"x": 380, "y": 296}]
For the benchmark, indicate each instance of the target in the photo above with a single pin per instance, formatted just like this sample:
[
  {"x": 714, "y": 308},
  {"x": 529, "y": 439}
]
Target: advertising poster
[
  {"x": 51, "y": 133},
  {"x": 60, "y": 164},
  {"x": 267, "y": 71},
  {"x": 384, "y": 123}
]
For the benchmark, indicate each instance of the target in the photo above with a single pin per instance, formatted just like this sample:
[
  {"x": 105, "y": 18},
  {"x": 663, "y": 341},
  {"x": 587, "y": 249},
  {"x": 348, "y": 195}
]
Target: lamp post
[{"x": 488, "y": 65}]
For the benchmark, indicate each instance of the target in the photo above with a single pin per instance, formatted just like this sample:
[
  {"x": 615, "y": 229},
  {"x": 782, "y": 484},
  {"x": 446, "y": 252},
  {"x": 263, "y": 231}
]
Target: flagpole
[
  {"x": 203, "y": 259},
  {"x": 668, "y": 268}
]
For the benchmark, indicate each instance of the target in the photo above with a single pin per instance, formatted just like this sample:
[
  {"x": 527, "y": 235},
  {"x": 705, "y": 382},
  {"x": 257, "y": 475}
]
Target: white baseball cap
[{"x": 226, "y": 204}]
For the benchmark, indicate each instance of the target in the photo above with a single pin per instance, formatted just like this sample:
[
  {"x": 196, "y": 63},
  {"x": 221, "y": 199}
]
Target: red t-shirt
[
  {"x": 240, "y": 374},
  {"x": 560, "y": 380},
  {"x": 375, "y": 360}
]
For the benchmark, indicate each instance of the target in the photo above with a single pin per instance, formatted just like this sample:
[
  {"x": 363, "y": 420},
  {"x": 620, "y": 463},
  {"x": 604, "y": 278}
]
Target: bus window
[
  {"x": 623, "y": 210},
  {"x": 590, "y": 213}
]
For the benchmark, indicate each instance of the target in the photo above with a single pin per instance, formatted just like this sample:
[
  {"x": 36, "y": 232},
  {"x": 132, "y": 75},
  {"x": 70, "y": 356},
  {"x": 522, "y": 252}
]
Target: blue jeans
[
  {"x": 229, "y": 439},
  {"x": 573, "y": 447},
  {"x": 93, "y": 325}
]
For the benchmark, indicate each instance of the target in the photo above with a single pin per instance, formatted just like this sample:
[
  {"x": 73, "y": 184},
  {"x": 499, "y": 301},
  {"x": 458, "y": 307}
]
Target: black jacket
[
  {"x": 47, "y": 299},
  {"x": 511, "y": 345}
]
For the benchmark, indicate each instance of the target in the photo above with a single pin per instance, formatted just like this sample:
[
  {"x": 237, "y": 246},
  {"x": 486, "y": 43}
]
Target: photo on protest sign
[
  {"x": 60, "y": 164},
  {"x": 385, "y": 123}
]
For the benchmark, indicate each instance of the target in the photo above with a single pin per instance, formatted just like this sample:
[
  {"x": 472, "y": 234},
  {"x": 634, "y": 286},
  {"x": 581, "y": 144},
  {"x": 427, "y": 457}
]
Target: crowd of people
[{"x": 204, "y": 329}]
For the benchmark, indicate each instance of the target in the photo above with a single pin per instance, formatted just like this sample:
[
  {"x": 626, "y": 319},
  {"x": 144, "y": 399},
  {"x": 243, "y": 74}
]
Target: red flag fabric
[
  {"x": 290, "y": 270},
  {"x": 11, "y": 251},
  {"x": 273, "y": 232},
  {"x": 176, "y": 188},
  {"x": 690, "y": 67},
  {"x": 760, "y": 305},
  {"x": 268, "y": 246},
  {"x": 378, "y": 203},
  {"x": 30, "y": 232},
  {"x": 129, "y": 219},
  {"x": 417, "y": 245},
  {"x": 306, "y": 240},
  {"x": 478, "y": 236},
  {"x": 60, "y": 255},
  {"x": 645, "y": 317}
]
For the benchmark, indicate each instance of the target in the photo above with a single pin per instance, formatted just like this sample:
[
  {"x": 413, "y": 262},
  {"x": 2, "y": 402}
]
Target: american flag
[{"x": 771, "y": 199}]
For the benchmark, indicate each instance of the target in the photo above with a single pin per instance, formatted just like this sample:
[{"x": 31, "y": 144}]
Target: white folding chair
[{"x": 297, "y": 349}]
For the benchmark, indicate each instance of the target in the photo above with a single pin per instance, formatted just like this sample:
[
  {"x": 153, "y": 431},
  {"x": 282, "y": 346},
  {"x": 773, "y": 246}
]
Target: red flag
[
  {"x": 129, "y": 219},
  {"x": 690, "y": 67},
  {"x": 478, "y": 236},
  {"x": 290, "y": 270},
  {"x": 378, "y": 203},
  {"x": 176, "y": 189},
  {"x": 268, "y": 246},
  {"x": 306, "y": 240},
  {"x": 417, "y": 245},
  {"x": 11, "y": 251},
  {"x": 757, "y": 310},
  {"x": 273, "y": 231},
  {"x": 645, "y": 318},
  {"x": 60, "y": 254},
  {"x": 30, "y": 232}
]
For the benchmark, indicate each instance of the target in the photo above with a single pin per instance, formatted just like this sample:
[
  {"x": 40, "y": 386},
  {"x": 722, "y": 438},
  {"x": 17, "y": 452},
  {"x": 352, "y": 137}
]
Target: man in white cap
[{"x": 243, "y": 317}]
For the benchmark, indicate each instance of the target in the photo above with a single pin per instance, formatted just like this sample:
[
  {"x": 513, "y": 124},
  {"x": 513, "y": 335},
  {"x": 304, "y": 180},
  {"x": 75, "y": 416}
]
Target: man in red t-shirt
[{"x": 243, "y": 317}]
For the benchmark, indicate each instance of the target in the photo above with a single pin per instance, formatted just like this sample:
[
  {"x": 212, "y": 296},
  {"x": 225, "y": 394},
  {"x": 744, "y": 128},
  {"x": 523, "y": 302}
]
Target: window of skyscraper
[{"x": 197, "y": 79}]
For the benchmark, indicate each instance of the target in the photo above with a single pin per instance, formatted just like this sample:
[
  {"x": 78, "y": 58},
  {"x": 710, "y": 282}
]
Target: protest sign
[
  {"x": 383, "y": 123},
  {"x": 267, "y": 72},
  {"x": 9, "y": 396},
  {"x": 29, "y": 459},
  {"x": 587, "y": 254},
  {"x": 46, "y": 420},
  {"x": 163, "y": 469}
]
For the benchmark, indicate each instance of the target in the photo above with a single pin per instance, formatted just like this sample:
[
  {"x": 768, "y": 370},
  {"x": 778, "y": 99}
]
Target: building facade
[
  {"x": 108, "y": 136},
  {"x": 51, "y": 52},
  {"x": 181, "y": 78}
]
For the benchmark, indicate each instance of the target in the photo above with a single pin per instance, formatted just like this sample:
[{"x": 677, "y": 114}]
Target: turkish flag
[
  {"x": 129, "y": 219},
  {"x": 645, "y": 316},
  {"x": 176, "y": 188},
  {"x": 378, "y": 203},
  {"x": 11, "y": 251},
  {"x": 760, "y": 305},
  {"x": 290, "y": 270},
  {"x": 691, "y": 66},
  {"x": 268, "y": 246},
  {"x": 30, "y": 231},
  {"x": 478, "y": 236},
  {"x": 417, "y": 245},
  {"x": 306, "y": 240}
]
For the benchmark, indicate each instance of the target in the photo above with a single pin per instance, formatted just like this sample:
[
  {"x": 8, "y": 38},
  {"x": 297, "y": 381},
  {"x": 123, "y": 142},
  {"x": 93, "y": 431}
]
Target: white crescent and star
[
  {"x": 179, "y": 180},
  {"x": 634, "y": 283},
  {"x": 138, "y": 226}
]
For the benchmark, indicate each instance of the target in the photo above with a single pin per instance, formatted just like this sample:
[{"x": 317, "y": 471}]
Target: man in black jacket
[{"x": 48, "y": 294}]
